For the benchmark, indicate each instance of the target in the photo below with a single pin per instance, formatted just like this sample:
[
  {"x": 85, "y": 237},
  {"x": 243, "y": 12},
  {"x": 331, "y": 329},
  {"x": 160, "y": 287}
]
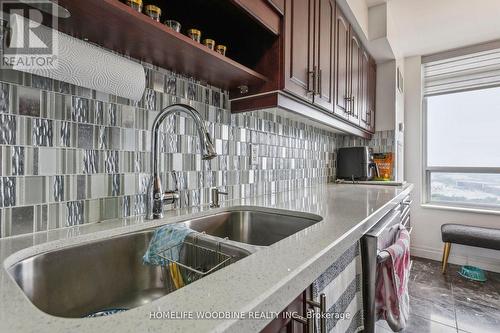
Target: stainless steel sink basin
[
  {"x": 81, "y": 280},
  {"x": 84, "y": 279},
  {"x": 253, "y": 227}
]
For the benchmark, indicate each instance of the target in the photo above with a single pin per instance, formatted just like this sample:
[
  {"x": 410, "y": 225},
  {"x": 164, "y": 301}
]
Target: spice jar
[
  {"x": 135, "y": 4},
  {"x": 194, "y": 34},
  {"x": 221, "y": 49},
  {"x": 210, "y": 43},
  {"x": 174, "y": 25},
  {"x": 154, "y": 12}
]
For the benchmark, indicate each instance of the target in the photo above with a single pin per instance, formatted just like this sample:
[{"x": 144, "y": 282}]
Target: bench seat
[{"x": 487, "y": 238}]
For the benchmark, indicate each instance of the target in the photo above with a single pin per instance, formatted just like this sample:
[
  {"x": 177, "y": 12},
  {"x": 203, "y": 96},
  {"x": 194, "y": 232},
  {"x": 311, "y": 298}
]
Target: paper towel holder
[{"x": 102, "y": 70}]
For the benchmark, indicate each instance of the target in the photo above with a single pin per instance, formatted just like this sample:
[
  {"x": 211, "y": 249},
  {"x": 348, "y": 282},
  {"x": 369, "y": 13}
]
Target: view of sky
[{"x": 464, "y": 129}]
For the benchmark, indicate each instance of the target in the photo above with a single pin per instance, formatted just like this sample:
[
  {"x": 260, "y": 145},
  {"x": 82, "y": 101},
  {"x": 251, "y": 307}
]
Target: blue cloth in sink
[{"x": 164, "y": 238}]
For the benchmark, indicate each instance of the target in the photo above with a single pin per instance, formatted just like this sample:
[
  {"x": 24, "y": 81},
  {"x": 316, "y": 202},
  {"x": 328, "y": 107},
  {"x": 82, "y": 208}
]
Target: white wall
[
  {"x": 426, "y": 222},
  {"x": 360, "y": 11},
  {"x": 385, "y": 117},
  {"x": 399, "y": 118}
]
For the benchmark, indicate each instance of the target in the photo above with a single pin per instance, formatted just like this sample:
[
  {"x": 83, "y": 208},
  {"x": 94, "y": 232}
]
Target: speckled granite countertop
[{"x": 268, "y": 280}]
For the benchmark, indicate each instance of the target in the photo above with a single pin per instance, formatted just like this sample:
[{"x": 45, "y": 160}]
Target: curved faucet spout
[{"x": 157, "y": 197}]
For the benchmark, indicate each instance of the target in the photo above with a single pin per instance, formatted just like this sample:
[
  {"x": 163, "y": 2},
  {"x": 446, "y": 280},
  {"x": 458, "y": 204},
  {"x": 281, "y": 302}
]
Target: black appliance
[{"x": 356, "y": 163}]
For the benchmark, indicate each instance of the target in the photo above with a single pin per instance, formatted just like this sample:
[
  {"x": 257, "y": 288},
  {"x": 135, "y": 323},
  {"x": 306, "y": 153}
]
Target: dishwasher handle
[{"x": 387, "y": 221}]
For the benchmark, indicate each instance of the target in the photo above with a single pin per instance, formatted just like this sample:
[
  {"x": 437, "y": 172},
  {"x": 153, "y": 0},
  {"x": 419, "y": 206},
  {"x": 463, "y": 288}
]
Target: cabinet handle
[
  {"x": 311, "y": 77},
  {"x": 322, "y": 310},
  {"x": 319, "y": 82},
  {"x": 308, "y": 321},
  {"x": 353, "y": 107},
  {"x": 348, "y": 102},
  {"x": 315, "y": 78}
]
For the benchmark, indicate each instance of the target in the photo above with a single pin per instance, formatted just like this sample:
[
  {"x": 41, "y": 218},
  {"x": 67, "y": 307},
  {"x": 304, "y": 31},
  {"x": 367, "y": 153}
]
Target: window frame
[{"x": 428, "y": 170}]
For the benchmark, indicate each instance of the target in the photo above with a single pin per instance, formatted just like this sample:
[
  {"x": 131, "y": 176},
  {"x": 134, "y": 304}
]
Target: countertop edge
[
  {"x": 332, "y": 252},
  {"x": 274, "y": 299}
]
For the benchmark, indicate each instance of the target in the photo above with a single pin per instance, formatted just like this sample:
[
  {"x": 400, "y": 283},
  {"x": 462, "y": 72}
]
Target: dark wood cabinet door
[
  {"x": 372, "y": 92},
  {"x": 284, "y": 324},
  {"x": 324, "y": 53},
  {"x": 342, "y": 49},
  {"x": 355, "y": 87},
  {"x": 364, "y": 100},
  {"x": 299, "y": 53}
]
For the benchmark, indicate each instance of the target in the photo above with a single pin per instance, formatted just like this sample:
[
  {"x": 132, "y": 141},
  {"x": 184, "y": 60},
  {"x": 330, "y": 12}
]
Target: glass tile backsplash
[{"x": 70, "y": 155}]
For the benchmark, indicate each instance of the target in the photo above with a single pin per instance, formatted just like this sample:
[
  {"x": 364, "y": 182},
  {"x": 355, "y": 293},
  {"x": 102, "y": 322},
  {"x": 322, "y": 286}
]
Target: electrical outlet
[{"x": 254, "y": 154}]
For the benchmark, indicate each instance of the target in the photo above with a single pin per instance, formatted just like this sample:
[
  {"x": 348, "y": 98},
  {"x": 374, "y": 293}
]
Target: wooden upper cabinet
[
  {"x": 356, "y": 88},
  {"x": 279, "y": 5},
  {"x": 341, "y": 64},
  {"x": 324, "y": 54},
  {"x": 299, "y": 29},
  {"x": 364, "y": 100},
  {"x": 372, "y": 90},
  {"x": 323, "y": 68},
  {"x": 263, "y": 12}
]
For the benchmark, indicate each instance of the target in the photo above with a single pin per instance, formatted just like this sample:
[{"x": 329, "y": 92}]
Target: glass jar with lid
[
  {"x": 153, "y": 11},
  {"x": 135, "y": 4},
  {"x": 194, "y": 34}
]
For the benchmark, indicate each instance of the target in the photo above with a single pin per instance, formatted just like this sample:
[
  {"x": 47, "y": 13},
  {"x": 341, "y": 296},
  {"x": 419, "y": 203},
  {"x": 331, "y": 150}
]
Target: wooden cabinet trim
[
  {"x": 279, "y": 5},
  {"x": 261, "y": 11},
  {"x": 298, "y": 67},
  {"x": 324, "y": 53},
  {"x": 342, "y": 54},
  {"x": 355, "y": 78}
]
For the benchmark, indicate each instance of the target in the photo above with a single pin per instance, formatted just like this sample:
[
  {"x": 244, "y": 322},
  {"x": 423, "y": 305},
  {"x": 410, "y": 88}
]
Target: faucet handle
[
  {"x": 170, "y": 197},
  {"x": 215, "y": 193},
  {"x": 176, "y": 180}
]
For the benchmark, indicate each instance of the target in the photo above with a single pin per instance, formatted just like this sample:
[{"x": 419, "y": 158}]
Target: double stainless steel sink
[
  {"x": 109, "y": 274},
  {"x": 252, "y": 227}
]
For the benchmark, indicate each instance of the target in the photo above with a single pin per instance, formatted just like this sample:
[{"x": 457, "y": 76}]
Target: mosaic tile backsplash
[
  {"x": 70, "y": 155},
  {"x": 381, "y": 141}
]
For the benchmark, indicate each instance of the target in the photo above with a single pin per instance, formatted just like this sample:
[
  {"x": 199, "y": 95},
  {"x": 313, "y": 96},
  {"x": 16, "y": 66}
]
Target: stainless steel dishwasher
[{"x": 381, "y": 236}]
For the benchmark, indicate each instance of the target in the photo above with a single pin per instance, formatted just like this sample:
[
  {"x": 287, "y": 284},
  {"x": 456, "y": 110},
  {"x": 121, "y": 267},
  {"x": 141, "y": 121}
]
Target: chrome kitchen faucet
[{"x": 157, "y": 198}]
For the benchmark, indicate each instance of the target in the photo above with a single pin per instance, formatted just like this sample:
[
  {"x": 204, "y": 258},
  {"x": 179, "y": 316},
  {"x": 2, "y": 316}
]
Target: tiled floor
[{"x": 450, "y": 303}]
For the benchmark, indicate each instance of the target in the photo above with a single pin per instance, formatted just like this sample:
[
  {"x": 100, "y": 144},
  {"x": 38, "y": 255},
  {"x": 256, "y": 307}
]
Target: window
[{"x": 462, "y": 141}]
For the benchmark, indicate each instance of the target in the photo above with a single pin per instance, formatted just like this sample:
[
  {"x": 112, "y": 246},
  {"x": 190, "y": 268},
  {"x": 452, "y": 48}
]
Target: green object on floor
[{"x": 473, "y": 273}]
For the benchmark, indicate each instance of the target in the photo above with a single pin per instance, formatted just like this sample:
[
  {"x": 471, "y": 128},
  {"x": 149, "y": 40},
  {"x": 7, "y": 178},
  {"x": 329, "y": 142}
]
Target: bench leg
[{"x": 446, "y": 254}]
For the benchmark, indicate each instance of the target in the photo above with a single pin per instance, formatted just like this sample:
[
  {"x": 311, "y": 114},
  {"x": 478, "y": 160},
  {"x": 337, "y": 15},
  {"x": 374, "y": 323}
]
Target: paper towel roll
[{"x": 81, "y": 63}]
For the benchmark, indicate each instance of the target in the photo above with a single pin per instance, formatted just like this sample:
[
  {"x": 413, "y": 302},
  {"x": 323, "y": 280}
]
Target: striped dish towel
[
  {"x": 392, "y": 299},
  {"x": 341, "y": 283}
]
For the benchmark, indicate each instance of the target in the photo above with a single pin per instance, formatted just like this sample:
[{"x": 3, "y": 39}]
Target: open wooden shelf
[{"x": 116, "y": 26}]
